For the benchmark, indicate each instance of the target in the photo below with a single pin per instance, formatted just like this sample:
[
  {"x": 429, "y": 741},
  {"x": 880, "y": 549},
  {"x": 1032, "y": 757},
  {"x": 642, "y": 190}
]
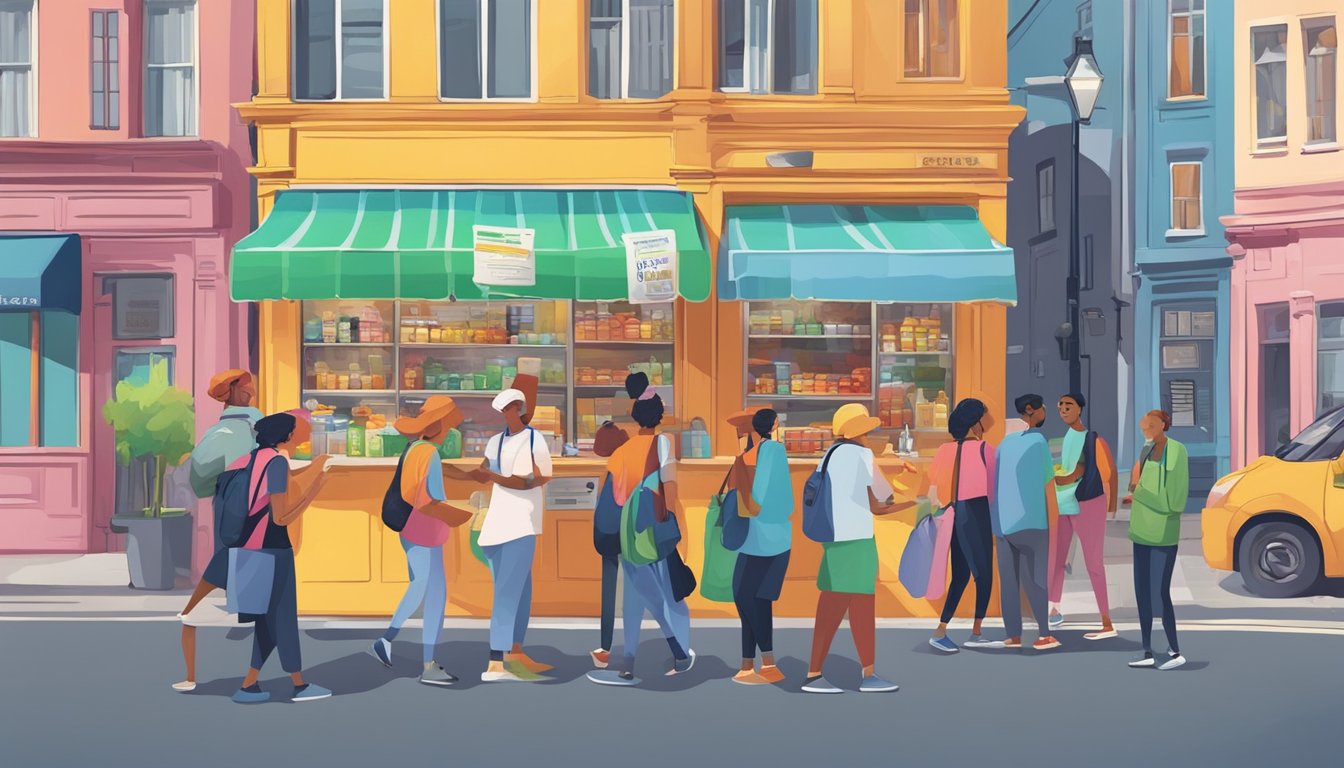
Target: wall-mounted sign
[
  {"x": 1180, "y": 357},
  {"x": 18, "y": 301},
  {"x": 957, "y": 161},
  {"x": 651, "y": 266},
  {"x": 504, "y": 256}
]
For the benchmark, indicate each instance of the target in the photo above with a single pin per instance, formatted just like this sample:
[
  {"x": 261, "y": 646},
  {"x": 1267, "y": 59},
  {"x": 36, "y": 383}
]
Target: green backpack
[{"x": 638, "y": 547}]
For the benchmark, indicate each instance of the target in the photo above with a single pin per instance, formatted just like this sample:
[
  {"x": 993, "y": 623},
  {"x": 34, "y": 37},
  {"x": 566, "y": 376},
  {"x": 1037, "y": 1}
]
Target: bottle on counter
[
  {"x": 373, "y": 443},
  {"x": 354, "y": 438}
]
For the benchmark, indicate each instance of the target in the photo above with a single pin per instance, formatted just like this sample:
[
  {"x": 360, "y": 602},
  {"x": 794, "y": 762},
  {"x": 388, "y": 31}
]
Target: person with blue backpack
[
  {"x": 423, "y": 527},
  {"x": 644, "y": 479},
  {"x": 765, "y": 499},
  {"x": 607, "y": 541},
  {"x": 839, "y": 503}
]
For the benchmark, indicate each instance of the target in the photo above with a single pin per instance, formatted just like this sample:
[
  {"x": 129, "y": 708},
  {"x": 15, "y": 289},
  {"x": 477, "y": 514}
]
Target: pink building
[
  {"x": 1287, "y": 235},
  {"x": 123, "y": 186}
]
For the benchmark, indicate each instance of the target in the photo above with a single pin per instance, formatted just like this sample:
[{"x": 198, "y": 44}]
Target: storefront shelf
[
  {"x": 351, "y": 345},
  {"x": 476, "y": 346},
  {"x": 624, "y": 343},
  {"x": 856, "y": 396},
  {"x": 914, "y": 354},
  {"x": 473, "y": 392},
  {"x": 338, "y": 392},
  {"x": 809, "y": 337}
]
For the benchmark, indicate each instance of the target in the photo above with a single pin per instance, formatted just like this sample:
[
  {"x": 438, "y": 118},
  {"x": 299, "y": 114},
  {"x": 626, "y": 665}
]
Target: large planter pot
[{"x": 157, "y": 548}]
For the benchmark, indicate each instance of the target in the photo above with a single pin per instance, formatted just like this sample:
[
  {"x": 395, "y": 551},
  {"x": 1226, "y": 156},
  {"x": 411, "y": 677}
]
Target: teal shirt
[
  {"x": 1160, "y": 498},
  {"x": 771, "y": 532},
  {"x": 225, "y": 442},
  {"x": 1074, "y": 442}
]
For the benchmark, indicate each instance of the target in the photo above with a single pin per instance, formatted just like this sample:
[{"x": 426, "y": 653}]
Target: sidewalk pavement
[{"x": 96, "y": 587}]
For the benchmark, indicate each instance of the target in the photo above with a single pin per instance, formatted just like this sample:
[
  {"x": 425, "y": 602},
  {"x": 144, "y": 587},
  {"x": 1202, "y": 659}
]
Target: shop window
[
  {"x": 630, "y": 48},
  {"x": 932, "y": 42},
  {"x": 768, "y": 46},
  {"x": 1185, "y": 49},
  {"x": 340, "y": 49},
  {"x": 39, "y": 379},
  {"x": 1330, "y": 355},
  {"x": 1275, "y": 378},
  {"x": 486, "y": 49},
  {"x": 1187, "y": 209},
  {"x": 104, "y": 71},
  {"x": 1045, "y": 197},
  {"x": 1186, "y": 368},
  {"x": 611, "y": 340},
  {"x": 18, "y": 52},
  {"x": 170, "y": 68},
  {"x": 142, "y": 306},
  {"x": 1271, "y": 84},
  {"x": 1321, "y": 42}
]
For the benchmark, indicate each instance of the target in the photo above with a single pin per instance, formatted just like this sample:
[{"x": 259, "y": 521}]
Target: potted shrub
[{"x": 156, "y": 421}]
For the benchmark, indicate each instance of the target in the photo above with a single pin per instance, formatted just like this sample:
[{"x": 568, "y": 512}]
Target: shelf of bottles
[
  {"x": 807, "y": 358},
  {"x": 611, "y": 340}
]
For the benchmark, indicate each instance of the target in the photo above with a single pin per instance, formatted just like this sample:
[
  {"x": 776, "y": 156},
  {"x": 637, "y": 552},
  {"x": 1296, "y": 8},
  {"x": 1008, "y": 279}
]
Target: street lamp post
[{"x": 1083, "y": 80}]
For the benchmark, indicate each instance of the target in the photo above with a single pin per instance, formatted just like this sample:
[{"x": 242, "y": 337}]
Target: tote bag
[
  {"x": 716, "y": 577},
  {"x": 252, "y": 569},
  {"x": 917, "y": 557},
  {"x": 942, "y": 547}
]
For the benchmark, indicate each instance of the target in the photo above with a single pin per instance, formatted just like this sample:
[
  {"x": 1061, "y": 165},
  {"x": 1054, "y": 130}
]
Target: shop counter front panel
[{"x": 350, "y": 564}]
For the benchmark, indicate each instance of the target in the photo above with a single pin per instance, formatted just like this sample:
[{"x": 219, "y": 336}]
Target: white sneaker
[
  {"x": 1143, "y": 661},
  {"x": 1172, "y": 662},
  {"x": 503, "y": 676},
  {"x": 186, "y": 686}
]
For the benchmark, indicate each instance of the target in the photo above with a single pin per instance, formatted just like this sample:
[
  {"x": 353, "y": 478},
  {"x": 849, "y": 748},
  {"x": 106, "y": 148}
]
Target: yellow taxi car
[{"x": 1280, "y": 520}]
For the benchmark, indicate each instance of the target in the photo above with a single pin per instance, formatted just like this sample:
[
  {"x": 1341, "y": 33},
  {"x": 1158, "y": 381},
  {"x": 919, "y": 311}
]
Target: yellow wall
[{"x": 868, "y": 127}]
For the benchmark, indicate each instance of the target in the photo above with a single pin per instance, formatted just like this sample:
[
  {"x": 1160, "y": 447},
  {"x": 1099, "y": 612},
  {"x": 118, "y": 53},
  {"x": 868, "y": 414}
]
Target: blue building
[
  {"x": 1155, "y": 174},
  {"x": 1183, "y": 139}
]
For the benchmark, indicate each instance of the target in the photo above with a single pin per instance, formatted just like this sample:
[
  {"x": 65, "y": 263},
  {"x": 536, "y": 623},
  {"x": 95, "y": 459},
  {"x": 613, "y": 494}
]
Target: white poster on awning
[
  {"x": 504, "y": 256},
  {"x": 651, "y": 266}
]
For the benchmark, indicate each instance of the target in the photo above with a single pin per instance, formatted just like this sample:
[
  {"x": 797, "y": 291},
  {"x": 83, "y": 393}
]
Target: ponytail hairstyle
[
  {"x": 647, "y": 409},
  {"x": 1163, "y": 417},
  {"x": 763, "y": 422},
  {"x": 275, "y": 430},
  {"x": 967, "y": 414}
]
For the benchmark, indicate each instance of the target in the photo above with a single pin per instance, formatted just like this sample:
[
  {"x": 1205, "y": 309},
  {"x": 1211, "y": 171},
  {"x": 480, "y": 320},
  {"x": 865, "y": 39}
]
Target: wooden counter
[{"x": 350, "y": 564}]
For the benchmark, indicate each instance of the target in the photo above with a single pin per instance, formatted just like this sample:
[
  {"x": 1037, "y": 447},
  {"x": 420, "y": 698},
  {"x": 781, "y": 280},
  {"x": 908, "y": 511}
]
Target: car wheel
[{"x": 1279, "y": 559}]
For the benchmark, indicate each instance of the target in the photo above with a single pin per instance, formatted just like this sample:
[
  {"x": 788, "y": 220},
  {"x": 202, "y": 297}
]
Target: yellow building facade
[{"x": 876, "y": 135}]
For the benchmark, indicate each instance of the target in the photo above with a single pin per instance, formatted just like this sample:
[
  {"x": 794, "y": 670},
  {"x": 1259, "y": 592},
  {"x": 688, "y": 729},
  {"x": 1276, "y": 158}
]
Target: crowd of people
[{"x": 1012, "y": 500}]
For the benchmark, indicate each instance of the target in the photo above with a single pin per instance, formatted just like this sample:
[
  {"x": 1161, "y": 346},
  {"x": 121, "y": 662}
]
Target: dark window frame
[{"x": 102, "y": 47}]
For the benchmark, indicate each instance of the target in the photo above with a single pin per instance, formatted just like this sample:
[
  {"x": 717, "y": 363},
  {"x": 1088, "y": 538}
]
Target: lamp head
[{"x": 1083, "y": 79}]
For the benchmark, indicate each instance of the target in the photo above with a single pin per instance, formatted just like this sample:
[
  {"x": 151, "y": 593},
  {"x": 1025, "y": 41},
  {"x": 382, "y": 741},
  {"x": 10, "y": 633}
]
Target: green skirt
[{"x": 849, "y": 567}]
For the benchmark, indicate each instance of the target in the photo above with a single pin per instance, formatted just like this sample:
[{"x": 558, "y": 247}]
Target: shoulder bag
[
  {"x": 942, "y": 548},
  {"x": 716, "y": 575}
]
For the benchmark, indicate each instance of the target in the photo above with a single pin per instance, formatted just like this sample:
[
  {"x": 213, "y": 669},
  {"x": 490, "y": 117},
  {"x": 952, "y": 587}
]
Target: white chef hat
[{"x": 503, "y": 399}]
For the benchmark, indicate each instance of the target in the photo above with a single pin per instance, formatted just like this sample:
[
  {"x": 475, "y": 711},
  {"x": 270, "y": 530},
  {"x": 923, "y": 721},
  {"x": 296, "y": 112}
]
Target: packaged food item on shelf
[
  {"x": 312, "y": 330},
  {"x": 356, "y": 377},
  {"x": 940, "y": 410},
  {"x": 330, "y": 328}
]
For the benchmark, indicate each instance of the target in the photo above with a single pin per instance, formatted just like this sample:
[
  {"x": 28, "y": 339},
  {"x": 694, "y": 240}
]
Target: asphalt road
[{"x": 96, "y": 693}]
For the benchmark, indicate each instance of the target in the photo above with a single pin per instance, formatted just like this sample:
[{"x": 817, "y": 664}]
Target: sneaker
[
  {"x": 682, "y": 666},
  {"x": 310, "y": 692},
  {"x": 437, "y": 675},
  {"x": 1012, "y": 645},
  {"x": 875, "y": 684},
  {"x": 1056, "y": 619},
  {"x": 253, "y": 695},
  {"x": 1047, "y": 643},
  {"x": 502, "y": 676},
  {"x": 1143, "y": 661},
  {"x": 612, "y": 677},
  {"x": 601, "y": 658},
  {"x": 980, "y": 641},
  {"x": 944, "y": 644},
  {"x": 820, "y": 684},
  {"x": 749, "y": 677},
  {"x": 1102, "y": 634},
  {"x": 1175, "y": 660},
  {"x": 528, "y": 663},
  {"x": 382, "y": 651},
  {"x": 186, "y": 686}
]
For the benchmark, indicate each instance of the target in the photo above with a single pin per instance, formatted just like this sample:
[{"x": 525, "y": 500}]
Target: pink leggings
[{"x": 1090, "y": 525}]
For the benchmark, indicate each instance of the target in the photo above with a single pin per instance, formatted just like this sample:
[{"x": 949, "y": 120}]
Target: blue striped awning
[{"x": 909, "y": 253}]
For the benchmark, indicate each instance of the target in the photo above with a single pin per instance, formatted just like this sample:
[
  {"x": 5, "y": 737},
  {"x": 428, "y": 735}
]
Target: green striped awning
[{"x": 417, "y": 244}]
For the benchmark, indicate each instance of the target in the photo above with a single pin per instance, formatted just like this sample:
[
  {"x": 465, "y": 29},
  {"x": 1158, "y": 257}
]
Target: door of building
[{"x": 136, "y": 325}]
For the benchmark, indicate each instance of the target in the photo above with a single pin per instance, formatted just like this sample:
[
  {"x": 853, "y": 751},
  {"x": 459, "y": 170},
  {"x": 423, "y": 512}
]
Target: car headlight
[{"x": 1222, "y": 488}]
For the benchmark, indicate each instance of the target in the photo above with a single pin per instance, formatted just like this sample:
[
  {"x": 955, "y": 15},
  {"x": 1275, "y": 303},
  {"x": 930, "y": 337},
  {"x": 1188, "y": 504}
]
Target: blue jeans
[
  {"x": 649, "y": 588},
  {"x": 1153, "y": 569},
  {"x": 511, "y": 566},
  {"x": 279, "y": 626},
  {"x": 427, "y": 586}
]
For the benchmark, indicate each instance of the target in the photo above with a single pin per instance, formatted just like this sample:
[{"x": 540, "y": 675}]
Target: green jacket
[{"x": 1159, "y": 499}]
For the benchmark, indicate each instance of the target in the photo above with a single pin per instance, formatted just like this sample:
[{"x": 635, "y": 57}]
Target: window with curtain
[
  {"x": 170, "y": 68},
  {"x": 1271, "y": 83},
  {"x": 39, "y": 388},
  {"x": 1321, "y": 42},
  {"x": 1045, "y": 197},
  {"x": 18, "y": 89},
  {"x": 1185, "y": 49},
  {"x": 485, "y": 49},
  {"x": 630, "y": 48},
  {"x": 768, "y": 46},
  {"x": 339, "y": 49},
  {"x": 104, "y": 71},
  {"x": 932, "y": 43},
  {"x": 1187, "y": 212}
]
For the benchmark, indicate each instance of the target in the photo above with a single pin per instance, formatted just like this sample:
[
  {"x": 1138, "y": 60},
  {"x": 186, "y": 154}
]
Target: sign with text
[
  {"x": 651, "y": 266},
  {"x": 504, "y": 256}
]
